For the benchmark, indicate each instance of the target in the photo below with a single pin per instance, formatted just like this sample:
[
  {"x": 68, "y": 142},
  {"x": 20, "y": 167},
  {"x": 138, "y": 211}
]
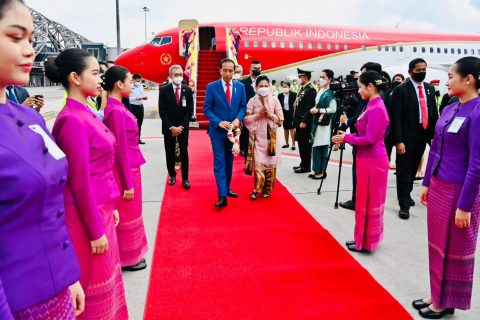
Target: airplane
[{"x": 282, "y": 48}]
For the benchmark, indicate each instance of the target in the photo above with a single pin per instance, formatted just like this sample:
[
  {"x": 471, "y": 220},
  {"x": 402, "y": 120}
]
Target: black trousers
[
  {"x": 170, "y": 143},
  {"x": 389, "y": 145},
  {"x": 304, "y": 147},
  {"x": 244, "y": 136},
  {"x": 138, "y": 111},
  {"x": 407, "y": 165}
]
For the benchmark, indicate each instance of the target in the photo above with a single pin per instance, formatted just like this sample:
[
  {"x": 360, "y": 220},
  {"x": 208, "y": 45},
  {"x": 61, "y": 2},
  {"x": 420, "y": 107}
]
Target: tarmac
[{"x": 400, "y": 265}]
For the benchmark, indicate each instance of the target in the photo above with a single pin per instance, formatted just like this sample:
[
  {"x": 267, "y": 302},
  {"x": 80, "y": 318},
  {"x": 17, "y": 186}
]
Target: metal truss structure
[{"x": 52, "y": 37}]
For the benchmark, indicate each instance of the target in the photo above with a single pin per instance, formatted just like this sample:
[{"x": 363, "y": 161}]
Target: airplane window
[
  {"x": 345, "y": 46},
  {"x": 310, "y": 45},
  {"x": 459, "y": 51},
  {"x": 439, "y": 50},
  {"x": 300, "y": 45},
  {"x": 445, "y": 50},
  {"x": 473, "y": 52},
  {"x": 465, "y": 51},
  {"x": 319, "y": 46},
  {"x": 401, "y": 48},
  {"x": 282, "y": 44},
  {"x": 274, "y": 44},
  {"x": 166, "y": 40},
  {"x": 337, "y": 46},
  {"x": 394, "y": 48},
  {"x": 265, "y": 44},
  {"x": 414, "y": 49},
  {"x": 364, "y": 47},
  {"x": 255, "y": 43},
  {"x": 379, "y": 48},
  {"x": 329, "y": 46},
  {"x": 387, "y": 48},
  {"x": 247, "y": 43},
  {"x": 423, "y": 49},
  {"x": 291, "y": 45},
  {"x": 431, "y": 49},
  {"x": 479, "y": 52},
  {"x": 156, "y": 41},
  {"x": 161, "y": 41}
]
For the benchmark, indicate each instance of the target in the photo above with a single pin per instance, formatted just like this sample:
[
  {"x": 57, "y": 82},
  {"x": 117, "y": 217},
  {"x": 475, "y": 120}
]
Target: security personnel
[{"x": 302, "y": 120}]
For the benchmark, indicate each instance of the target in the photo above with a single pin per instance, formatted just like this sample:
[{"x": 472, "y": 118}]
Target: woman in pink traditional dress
[
  {"x": 132, "y": 240},
  {"x": 91, "y": 192},
  {"x": 372, "y": 164},
  {"x": 451, "y": 193},
  {"x": 263, "y": 117}
]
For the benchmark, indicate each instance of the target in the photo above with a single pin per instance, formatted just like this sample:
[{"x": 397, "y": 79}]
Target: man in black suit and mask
[
  {"x": 175, "y": 104},
  {"x": 249, "y": 83},
  {"x": 413, "y": 117},
  {"x": 302, "y": 120}
]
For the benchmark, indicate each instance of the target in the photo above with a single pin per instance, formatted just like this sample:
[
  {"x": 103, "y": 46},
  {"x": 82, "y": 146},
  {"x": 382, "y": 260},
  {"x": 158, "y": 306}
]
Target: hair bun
[{"x": 52, "y": 71}]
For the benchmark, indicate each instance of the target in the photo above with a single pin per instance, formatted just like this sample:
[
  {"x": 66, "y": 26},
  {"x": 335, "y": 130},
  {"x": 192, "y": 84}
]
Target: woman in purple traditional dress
[
  {"x": 39, "y": 272},
  {"x": 451, "y": 194}
]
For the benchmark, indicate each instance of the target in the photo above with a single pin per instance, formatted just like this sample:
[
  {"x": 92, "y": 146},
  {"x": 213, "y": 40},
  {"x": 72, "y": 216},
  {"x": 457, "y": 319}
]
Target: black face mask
[
  {"x": 419, "y": 76},
  {"x": 396, "y": 83},
  {"x": 256, "y": 72}
]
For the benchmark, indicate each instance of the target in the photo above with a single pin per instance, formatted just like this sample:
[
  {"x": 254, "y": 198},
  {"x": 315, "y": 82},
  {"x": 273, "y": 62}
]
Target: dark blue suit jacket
[
  {"x": 217, "y": 109},
  {"x": 21, "y": 94}
]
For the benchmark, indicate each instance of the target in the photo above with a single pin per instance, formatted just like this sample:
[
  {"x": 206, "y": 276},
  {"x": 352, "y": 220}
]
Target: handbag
[{"x": 324, "y": 120}]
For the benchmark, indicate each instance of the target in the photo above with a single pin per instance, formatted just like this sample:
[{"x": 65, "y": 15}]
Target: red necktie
[
  {"x": 228, "y": 93},
  {"x": 177, "y": 95},
  {"x": 423, "y": 105}
]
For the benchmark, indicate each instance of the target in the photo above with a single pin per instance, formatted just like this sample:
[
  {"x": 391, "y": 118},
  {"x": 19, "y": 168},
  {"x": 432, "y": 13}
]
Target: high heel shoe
[{"x": 419, "y": 304}]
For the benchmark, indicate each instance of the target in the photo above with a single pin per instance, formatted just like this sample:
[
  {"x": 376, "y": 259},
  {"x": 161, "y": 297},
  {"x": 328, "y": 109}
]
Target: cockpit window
[{"x": 161, "y": 41}]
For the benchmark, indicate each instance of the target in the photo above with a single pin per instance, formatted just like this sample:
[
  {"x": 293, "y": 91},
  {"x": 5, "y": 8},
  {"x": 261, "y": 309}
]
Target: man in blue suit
[{"x": 225, "y": 108}]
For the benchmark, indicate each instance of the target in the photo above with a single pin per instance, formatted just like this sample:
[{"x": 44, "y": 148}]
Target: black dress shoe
[
  {"x": 222, "y": 202},
  {"x": 311, "y": 175},
  {"x": 419, "y": 304},
  {"x": 349, "y": 243},
  {"x": 301, "y": 170},
  {"x": 172, "y": 181},
  {"x": 352, "y": 247},
  {"x": 350, "y": 205},
  {"x": 296, "y": 167},
  {"x": 428, "y": 313},
  {"x": 404, "y": 213},
  {"x": 139, "y": 266},
  {"x": 285, "y": 146},
  {"x": 186, "y": 184},
  {"x": 141, "y": 142},
  {"x": 232, "y": 194}
]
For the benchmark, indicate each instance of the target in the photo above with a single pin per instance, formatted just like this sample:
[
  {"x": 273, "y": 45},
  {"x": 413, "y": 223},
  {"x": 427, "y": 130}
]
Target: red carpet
[{"x": 267, "y": 259}]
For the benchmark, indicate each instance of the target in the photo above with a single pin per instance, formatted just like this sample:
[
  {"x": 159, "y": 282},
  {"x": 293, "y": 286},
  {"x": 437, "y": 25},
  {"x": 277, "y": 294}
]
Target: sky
[{"x": 95, "y": 19}]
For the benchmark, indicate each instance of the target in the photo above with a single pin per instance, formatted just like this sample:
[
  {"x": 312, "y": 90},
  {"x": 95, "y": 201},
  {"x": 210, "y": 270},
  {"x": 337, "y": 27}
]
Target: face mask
[
  {"x": 286, "y": 90},
  {"x": 256, "y": 72},
  {"x": 263, "y": 91},
  {"x": 322, "y": 82},
  {"x": 237, "y": 76},
  {"x": 396, "y": 83},
  {"x": 178, "y": 80},
  {"x": 419, "y": 76}
]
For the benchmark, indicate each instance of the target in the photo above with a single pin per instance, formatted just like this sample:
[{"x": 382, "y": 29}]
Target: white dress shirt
[
  {"x": 285, "y": 102},
  {"x": 225, "y": 88}
]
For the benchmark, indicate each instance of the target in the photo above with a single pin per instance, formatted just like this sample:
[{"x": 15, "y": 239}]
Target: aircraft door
[{"x": 185, "y": 29}]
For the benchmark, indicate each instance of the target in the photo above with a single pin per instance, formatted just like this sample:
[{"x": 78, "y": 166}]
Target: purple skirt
[
  {"x": 59, "y": 307},
  {"x": 451, "y": 250}
]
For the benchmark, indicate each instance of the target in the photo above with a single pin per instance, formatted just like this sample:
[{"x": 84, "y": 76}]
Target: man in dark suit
[
  {"x": 224, "y": 106},
  {"x": 175, "y": 105},
  {"x": 302, "y": 120},
  {"x": 413, "y": 117},
  {"x": 21, "y": 96},
  {"x": 249, "y": 83},
  {"x": 287, "y": 99}
]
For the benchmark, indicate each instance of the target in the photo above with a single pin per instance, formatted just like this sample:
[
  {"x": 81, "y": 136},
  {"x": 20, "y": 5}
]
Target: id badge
[
  {"x": 184, "y": 102},
  {"x": 53, "y": 149},
  {"x": 456, "y": 124}
]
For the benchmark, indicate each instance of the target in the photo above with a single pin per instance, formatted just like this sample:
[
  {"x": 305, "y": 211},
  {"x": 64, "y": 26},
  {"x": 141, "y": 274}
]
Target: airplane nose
[{"x": 131, "y": 59}]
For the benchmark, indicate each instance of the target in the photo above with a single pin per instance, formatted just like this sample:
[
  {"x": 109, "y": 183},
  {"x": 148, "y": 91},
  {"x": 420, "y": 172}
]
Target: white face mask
[
  {"x": 178, "y": 80},
  {"x": 263, "y": 91},
  {"x": 322, "y": 82},
  {"x": 237, "y": 76},
  {"x": 286, "y": 90}
]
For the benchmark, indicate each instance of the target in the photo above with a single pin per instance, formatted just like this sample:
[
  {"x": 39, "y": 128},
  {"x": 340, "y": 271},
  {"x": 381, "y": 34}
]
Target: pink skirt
[
  {"x": 59, "y": 307},
  {"x": 101, "y": 274},
  {"x": 132, "y": 240},
  {"x": 372, "y": 177}
]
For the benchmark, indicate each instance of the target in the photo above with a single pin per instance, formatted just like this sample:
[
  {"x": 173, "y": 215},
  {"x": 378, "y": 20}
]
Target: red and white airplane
[{"x": 282, "y": 48}]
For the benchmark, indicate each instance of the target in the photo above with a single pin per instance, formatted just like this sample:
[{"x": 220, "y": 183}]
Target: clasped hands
[
  {"x": 339, "y": 138},
  {"x": 176, "y": 131},
  {"x": 230, "y": 125}
]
